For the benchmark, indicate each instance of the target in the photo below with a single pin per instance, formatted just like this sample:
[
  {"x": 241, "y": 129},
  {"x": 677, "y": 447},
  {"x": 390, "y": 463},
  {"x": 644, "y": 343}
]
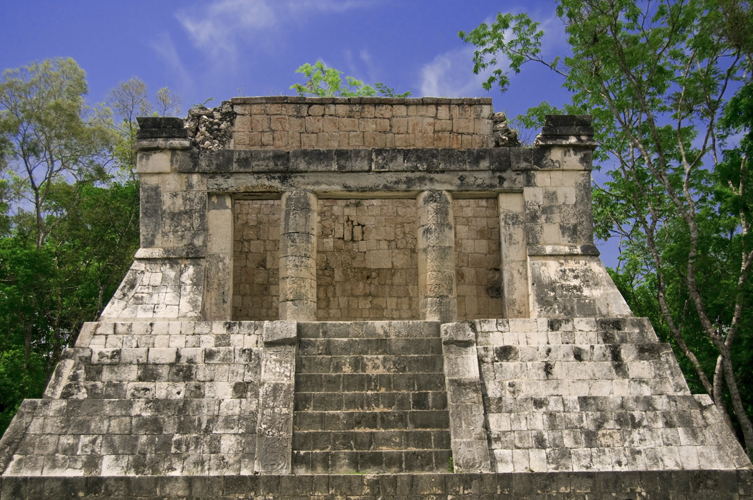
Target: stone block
[
  {"x": 461, "y": 333},
  {"x": 280, "y": 332}
]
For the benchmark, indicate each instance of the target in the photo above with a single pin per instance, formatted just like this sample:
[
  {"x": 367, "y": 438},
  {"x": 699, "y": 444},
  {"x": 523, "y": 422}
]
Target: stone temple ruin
[{"x": 367, "y": 298}]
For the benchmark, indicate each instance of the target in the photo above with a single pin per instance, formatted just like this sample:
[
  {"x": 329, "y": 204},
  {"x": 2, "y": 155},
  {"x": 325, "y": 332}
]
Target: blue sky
[{"x": 226, "y": 48}]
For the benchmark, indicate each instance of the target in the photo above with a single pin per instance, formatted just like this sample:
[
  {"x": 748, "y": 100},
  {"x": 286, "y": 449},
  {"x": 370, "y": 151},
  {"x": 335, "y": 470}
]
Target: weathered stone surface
[
  {"x": 159, "y": 289},
  {"x": 470, "y": 452},
  {"x": 275, "y": 425},
  {"x": 218, "y": 300},
  {"x": 711, "y": 484},
  {"x": 477, "y": 258},
  {"x": 256, "y": 259},
  {"x": 592, "y": 395},
  {"x": 573, "y": 286},
  {"x": 160, "y": 127},
  {"x": 280, "y": 333},
  {"x": 380, "y": 123},
  {"x": 167, "y": 398},
  {"x": 298, "y": 239},
  {"x": 366, "y": 264},
  {"x": 436, "y": 257},
  {"x": 285, "y": 209}
]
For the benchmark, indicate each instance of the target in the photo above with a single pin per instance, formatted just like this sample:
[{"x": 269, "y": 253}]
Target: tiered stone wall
[
  {"x": 589, "y": 394},
  {"x": 289, "y": 123},
  {"x": 256, "y": 260},
  {"x": 366, "y": 260},
  {"x": 162, "y": 398},
  {"x": 477, "y": 258}
]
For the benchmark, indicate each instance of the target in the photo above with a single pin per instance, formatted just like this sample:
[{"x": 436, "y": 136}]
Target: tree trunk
[{"x": 718, "y": 394}]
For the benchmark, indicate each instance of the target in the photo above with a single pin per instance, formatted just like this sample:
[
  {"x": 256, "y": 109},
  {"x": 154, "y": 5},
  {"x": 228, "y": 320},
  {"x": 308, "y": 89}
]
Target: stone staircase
[{"x": 370, "y": 397}]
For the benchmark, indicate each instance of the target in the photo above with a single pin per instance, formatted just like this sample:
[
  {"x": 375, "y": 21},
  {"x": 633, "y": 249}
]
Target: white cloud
[
  {"x": 451, "y": 75},
  {"x": 217, "y": 29},
  {"x": 165, "y": 49}
]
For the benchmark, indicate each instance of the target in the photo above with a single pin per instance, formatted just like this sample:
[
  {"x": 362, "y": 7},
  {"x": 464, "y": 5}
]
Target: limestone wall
[
  {"x": 366, "y": 260},
  {"x": 542, "y": 193},
  {"x": 477, "y": 258},
  {"x": 289, "y": 123},
  {"x": 256, "y": 258}
]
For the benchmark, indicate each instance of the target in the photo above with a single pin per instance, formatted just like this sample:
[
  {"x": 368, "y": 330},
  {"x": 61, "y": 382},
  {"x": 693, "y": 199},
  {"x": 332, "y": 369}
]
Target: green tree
[
  {"x": 49, "y": 134},
  {"x": 656, "y": 76},
  {"x": 68, "y": 229},
  {"x": 327, "y": 82}
]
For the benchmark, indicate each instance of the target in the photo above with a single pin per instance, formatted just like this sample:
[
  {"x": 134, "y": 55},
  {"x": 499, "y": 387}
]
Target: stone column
[
  {"x": 514, "y": 253},
  {"x": 436, "y": 257},
  {"x": 218, "y": 292},
  {"x": 298, "y": 256}
]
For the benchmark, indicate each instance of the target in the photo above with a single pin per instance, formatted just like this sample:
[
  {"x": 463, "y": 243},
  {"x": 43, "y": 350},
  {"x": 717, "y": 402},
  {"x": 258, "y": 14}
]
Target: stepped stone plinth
[{"x": 367, "y": 298}]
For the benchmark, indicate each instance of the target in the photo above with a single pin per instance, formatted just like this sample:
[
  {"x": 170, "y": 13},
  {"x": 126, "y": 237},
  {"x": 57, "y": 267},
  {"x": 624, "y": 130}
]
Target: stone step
[
  {"x": 564, "y": 331},
  {"x": 620, "y": 353},
  {"x": 662, "y": 483},
  {"x": 369, "y": 401},
  {"x": 372, "y": 364},
  {"x": 371, "y": 382},
  {"x": 333, "y": 462},
  {"x": 371, "y": 440},
  {"x": 370, "y": 420},
  {"x": 369, "y": 329},
  {"x": 576, "y": 404},
  {"x": 351, "y": 346}
]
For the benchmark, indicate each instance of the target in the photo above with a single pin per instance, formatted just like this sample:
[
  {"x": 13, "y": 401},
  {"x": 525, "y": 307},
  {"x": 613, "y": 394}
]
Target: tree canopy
[
  {"x": 328, "y": 82},
  {"x": 658, "y": 78},
  {"x": 69, "y": 213}
]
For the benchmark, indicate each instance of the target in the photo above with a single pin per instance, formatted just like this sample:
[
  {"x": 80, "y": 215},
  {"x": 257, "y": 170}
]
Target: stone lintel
[
  {"x": 379, "y": 160},
  {"x": 583, "y": 141},
  {"x": 364, "y": 184},
  {"x": 539, "y": 250}
]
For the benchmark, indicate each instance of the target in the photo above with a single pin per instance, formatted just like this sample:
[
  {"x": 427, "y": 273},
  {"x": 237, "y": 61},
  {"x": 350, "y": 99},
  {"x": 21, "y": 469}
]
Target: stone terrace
[{"x": 343, "y": 298}]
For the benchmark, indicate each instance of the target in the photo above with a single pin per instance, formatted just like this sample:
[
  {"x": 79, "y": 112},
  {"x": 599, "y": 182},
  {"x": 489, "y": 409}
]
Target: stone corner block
[
  {"x": 280, "y": 332},
  {"x": 157, "y": 162},
  {"x": 460, "y": 333},
  {"x": 86, "y": 334}
]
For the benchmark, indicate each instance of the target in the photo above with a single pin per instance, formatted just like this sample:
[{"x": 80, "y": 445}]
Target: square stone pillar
[
  {"x": 298, "y": 226},
  {"x": 514, "y": 254},
  {"x": 436, "y": 257},
  {"x": 218, "y": 292}
]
